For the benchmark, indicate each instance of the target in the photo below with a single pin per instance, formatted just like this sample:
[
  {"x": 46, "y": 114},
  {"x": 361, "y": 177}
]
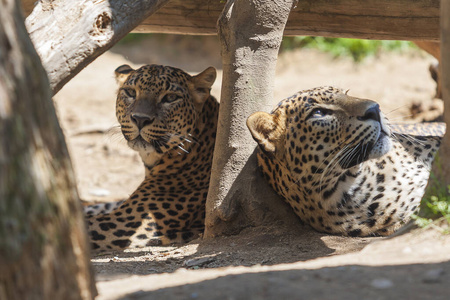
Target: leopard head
[
  {"x": 324, "y": 126},
  {"x": 158, "y": 108}
]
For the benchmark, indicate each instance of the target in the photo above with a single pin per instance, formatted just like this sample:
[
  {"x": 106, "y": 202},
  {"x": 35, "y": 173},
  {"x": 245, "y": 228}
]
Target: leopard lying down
[
  {"x": 339, "y": 164},
  {"x": 332, "y": 157},
  {"x": 170, "y": 119}
]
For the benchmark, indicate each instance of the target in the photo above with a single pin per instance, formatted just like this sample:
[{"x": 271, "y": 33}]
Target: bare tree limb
[{"x": 68, "y": 35}]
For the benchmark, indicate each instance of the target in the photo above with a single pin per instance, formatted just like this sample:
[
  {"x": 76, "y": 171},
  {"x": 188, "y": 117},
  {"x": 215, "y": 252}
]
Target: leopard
[
  {"x": 170, "y": 118},
  {"x": 339, "y": 163}
]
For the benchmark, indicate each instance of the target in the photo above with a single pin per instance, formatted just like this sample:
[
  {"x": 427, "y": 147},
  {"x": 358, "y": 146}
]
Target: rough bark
[
  {"x": 441, "y": 167},
  {"x": 68, "y": 35},
  {"x": 44, "y": 252},
  {"x": 250, "y": 33}
]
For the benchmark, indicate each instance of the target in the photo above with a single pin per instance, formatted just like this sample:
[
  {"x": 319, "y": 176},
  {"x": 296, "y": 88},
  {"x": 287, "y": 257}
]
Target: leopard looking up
[
  {"x": 170, "y": 119},
  {"x": 339, "y": 164}
]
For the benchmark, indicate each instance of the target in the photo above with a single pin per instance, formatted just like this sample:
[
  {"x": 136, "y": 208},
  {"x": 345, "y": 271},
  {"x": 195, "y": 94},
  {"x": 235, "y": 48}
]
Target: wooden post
[
  {"x": 250, "y": 33},
  {"x": 44, "y": 251},
  {"x": 442, "y": 167}
]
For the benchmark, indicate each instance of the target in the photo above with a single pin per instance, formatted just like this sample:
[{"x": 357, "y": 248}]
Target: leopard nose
[
  {"x": 141, "y": 120},
  {"x": 372, "y": 113}
]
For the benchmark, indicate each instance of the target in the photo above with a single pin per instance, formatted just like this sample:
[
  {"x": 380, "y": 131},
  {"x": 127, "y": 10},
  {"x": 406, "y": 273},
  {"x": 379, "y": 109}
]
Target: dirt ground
[{"x": 271, "y": 262}]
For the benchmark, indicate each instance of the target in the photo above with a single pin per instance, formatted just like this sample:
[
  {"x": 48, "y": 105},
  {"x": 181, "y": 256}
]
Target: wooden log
[
  {"x": 44, "y": 251},
  {"x": 368, "y": 19},
  {"x": 68, "y": 35}
]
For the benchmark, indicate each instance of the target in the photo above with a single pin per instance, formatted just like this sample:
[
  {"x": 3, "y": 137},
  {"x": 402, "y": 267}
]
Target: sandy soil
[{"x": 270, "y": 262}]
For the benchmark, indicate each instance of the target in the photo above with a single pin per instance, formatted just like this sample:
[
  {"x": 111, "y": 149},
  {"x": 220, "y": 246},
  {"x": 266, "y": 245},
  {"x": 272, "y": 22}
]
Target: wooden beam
[{"x": 368, "y": 19}]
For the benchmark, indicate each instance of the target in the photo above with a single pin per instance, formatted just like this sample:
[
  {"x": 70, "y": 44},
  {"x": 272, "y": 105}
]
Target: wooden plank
[{"x": 368, "y": 19}]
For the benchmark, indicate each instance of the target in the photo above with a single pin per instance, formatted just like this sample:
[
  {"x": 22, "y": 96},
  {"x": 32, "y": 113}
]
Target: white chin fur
[
  {"x": 147, "y": 152},
  {"x": 382, "y": 146}
]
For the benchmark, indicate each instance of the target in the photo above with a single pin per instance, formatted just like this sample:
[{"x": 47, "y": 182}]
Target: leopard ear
[
  {"x": 122, "y": 73},
  {"x": 268, "y": 130},
  {"x": 202, "y": 85}
]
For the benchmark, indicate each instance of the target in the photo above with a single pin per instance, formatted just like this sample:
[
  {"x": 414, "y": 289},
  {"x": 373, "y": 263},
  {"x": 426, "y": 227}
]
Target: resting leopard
[
  {"x": 339, "y": 164},
  {"x": 170, "y": 119}
]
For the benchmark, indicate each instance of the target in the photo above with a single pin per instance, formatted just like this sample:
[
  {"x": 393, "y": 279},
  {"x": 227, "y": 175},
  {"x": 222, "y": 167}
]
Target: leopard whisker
[
  {"x": 402, "y": 118},
  {"x": 410, "y": 138},
  {"x": 184, "y": 150},
  {"x": 348, "y": 156},
  {"x": 396, "y": 109},
  {"x": 332, "y": 164},
  {"x": 331, "y": 153},
  {"x": 338, "y": 152}
]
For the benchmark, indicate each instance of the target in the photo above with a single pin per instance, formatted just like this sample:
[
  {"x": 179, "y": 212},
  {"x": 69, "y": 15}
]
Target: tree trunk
[
  {"x": 68, "y": 35},
  {"x": 44, "y": 252},
  {"x": 441, "y": 167},
  {"x": 250, "y": 33}
]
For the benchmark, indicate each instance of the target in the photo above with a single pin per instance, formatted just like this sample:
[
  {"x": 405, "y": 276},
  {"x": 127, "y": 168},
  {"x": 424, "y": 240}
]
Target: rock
[
  {"x": 196, "y": 262},
  {"x": 433, "y": 275},
  {"x": 99, "y": 192},
  {"x": 382, "y": 283}
]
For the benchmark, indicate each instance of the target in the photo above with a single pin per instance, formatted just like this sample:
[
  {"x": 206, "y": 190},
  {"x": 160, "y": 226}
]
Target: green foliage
[
  {"x": 133, "y": 38},
  {"x": 434, "y": 209},
  {"x": 355, "y": 48},
  {"x": 435, "y": 204}
]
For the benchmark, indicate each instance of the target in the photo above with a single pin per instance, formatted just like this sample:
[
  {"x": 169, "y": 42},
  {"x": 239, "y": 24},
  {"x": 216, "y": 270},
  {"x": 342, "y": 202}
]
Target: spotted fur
[
  {"x": 338, "y": 163},
  {"x": 170, "y": 119},
  {"x": 101, "y": 208}
]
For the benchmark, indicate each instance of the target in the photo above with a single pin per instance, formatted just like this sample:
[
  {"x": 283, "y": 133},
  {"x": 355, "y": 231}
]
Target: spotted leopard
[
  {"x": 339, "y": 164},
  {"x": 170, "y": 119}
]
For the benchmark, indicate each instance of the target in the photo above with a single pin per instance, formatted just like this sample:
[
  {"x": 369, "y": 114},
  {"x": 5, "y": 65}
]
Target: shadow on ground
[
  {"x": 419, "y": 281},
  {"x": 269, "y": 245}
]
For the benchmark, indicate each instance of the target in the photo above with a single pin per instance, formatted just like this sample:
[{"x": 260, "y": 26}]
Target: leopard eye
[
  {"x": 319, "y": 113},
  {"x": 169, "y": 98},
  {"x": 129, "y": 92}
]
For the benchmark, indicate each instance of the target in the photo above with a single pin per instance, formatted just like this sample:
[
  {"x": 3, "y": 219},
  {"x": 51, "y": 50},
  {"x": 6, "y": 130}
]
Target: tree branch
[{"x": 68, "y": 35}]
